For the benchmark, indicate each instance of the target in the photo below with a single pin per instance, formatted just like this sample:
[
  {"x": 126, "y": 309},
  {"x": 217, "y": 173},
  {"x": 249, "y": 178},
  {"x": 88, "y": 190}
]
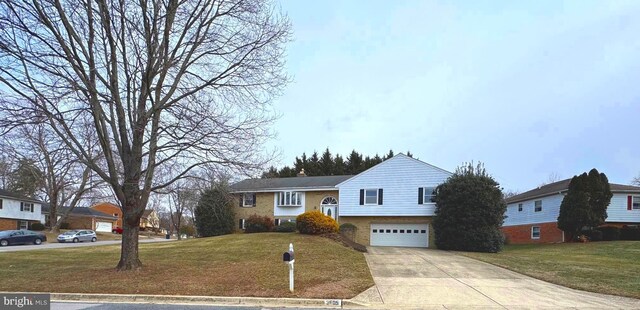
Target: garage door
[
  {"x": 403, "y": 235},
  {"x": 104, "y": 226}
]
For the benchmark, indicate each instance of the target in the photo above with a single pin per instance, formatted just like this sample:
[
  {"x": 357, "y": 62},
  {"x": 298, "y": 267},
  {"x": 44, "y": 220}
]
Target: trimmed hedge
[
  {"x": 37, "y": 226},
  {"x": 593, "y": 235},
  {"x": 316, "y": 223},
  {"x": 610, "y": 233},
  {"x": 286, "y": 227},
  {"x": 630, "y": 233},
  {"x": 257, "y": 224}
]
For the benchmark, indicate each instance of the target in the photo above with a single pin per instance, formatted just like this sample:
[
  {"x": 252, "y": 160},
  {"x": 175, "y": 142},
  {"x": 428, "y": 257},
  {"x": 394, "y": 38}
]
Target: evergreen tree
[
  {"x": 214, "y": 213},
  {"x": 469, "y": 212},
  {"x": 271, "y": 173},
  {"x": 313, "y": 165},
  {"x": 389, "y": 155},
  {"x": 585, "y": 204},
  {"x": 409, "y": 154},
  {"x": 354, "y": 163},
  {"x": 326, "y": 163},
  {"x": 339, "y": 166},
  {"x": 26, "y": 179}
]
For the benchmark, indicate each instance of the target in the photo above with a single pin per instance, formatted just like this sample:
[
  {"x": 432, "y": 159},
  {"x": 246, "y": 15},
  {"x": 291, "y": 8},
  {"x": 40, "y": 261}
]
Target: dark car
[{"x": 11, "y": 237}]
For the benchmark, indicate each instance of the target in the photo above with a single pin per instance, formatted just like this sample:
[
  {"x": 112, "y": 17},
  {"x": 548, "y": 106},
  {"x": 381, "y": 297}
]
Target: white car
[{"x": 78, "y": 236}]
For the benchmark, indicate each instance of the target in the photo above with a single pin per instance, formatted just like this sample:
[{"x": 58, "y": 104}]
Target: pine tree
[
  {"x": 326, "y": 163},
  {"x": 354, "y": 163},
  {"x": 339, "y": 166},
  {"x": 389, "y": 155},
  {"x": 214, "y": 213}
]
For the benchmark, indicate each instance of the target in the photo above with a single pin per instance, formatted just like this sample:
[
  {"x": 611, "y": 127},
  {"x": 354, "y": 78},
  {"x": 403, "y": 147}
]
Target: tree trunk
[{"x": 129, "y": 259}]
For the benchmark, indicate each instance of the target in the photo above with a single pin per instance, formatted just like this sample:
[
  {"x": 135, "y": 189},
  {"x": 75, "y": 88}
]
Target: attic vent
[{"x": 301, "y": 173}]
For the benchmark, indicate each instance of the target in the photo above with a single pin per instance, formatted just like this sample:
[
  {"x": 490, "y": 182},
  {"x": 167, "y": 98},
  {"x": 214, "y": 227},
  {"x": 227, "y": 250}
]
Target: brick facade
[
  {"x": 521, "y": 234},
  {"x": 363, "y": 224},
  {"x": 110, "y": 209},
  {"x": 8, "y": 224}
]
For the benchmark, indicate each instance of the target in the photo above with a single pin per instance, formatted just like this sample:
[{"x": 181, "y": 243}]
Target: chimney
[{"x": 301, "y": 173}]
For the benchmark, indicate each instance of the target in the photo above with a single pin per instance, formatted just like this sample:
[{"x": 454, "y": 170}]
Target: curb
[{"x": 201, "y": 300}]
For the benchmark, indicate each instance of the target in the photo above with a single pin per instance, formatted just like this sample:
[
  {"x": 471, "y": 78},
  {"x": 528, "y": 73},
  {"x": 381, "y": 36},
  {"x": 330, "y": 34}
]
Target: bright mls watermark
[{"x": 25, "y": 301}]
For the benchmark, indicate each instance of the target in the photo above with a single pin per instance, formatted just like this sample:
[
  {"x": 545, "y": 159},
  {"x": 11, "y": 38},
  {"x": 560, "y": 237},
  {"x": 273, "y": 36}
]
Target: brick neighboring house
[
  {"x": 532, "y": 217},
  {"x": 85, "y": 218},
  {"x": 390, "y": 204},
  {"x": 149, "y": 219},
  {"x": 19, "y": 212}
]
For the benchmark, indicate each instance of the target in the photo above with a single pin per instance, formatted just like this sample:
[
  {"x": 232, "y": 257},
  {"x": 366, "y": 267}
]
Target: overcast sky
[{"x": 529, "y": 88}]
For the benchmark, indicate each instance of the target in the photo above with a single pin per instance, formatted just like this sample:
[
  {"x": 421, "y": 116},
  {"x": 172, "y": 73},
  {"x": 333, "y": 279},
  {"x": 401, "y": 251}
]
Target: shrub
[
  {"x": 37, "y": 226},
  {"x": 214, "y": 214},
  {"x": 64, "y": 225},
  {"x": 256, "y": 224},
  {"x": 316, "y": 223},
  {"x": 348, "y": 230},
  {"x": 469, "y": 212},
  {"x": 188, "y": 230},
  {"x": 610, "y": 233},
  {"x": 286, "y": 227},
  {"x": 594, "y": 234},
  {"x": 630, "y": 233}
]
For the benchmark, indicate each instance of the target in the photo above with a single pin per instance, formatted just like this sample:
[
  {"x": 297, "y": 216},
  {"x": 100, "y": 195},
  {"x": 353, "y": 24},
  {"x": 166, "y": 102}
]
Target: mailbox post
[{"x": 289, "y": 259}]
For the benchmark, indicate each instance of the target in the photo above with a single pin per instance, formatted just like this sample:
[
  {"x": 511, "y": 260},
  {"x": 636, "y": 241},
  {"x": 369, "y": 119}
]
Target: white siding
[
  {"x": 616, "y": 211},
  {"x": 549, "y": 213},
  {"x": 11, "y": 209},
  {"x": 399, "y": 177},
  {"x": 287, "y": 211}
]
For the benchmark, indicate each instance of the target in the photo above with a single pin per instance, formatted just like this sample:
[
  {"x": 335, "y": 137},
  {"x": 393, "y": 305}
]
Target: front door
[{"x": 330, "y": 211}]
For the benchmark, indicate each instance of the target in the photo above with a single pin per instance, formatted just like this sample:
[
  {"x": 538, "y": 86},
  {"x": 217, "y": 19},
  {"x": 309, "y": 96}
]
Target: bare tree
[
  {"x": 552, "y": 178},
  {"x": 636, "y": 181},
  {"x": 183, "y": 197},
  {"x": 509, "y": 193},
  {"x": 65, "y": 180},
  {"x": 162, "y": 83}
]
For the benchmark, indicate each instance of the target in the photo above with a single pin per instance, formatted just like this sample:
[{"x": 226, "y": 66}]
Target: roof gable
[{"x": 394, "y": 159}]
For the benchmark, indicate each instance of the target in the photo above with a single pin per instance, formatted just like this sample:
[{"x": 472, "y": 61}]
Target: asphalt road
[
  {"x": 56, "y": 245},
  {"x": 118, "y": 306}
]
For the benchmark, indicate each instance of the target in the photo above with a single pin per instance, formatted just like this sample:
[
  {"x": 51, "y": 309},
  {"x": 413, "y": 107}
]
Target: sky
[{"x": 529, "y": 88}]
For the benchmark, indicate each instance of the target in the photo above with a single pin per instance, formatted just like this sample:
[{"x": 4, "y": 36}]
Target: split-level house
[
  {"x": 532, "y": 217},
  {"x": 18, "y": 212},
  {"x": 390, "y": 204}
]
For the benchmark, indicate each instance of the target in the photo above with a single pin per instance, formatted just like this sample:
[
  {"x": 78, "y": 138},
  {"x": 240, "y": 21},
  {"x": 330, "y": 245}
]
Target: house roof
[
  {"x": 561, "y": 186},
  {"x": 12, "y": 195},
  {"x": 266, "y": 185},
  {"x": 86, "y": 212},
  {"x": 146, "y": 213}
]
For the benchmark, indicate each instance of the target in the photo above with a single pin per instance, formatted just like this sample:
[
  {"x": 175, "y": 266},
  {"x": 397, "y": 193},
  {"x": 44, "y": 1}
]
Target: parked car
[
  {"x": 78, "y": 236},
  {"x": 11, "y": 237},
  {"x": 117, "y": 230}
]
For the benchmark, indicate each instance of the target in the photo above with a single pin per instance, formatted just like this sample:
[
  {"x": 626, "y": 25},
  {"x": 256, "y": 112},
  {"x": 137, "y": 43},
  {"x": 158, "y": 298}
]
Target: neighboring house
[
  {"x": 86, "y": 218},
  {"x": 110, "y": 209},
  {"x": 390, "y": 204},
  {"x": 19, "y": 212},
  {"x": 532, "y": 217},
  {"x": 149, "y": 219}
]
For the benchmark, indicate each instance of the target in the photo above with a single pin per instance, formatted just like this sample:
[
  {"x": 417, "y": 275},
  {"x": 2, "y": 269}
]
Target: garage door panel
[
  {"x": 104, "y": 226},
  {"x": 401, "y": 235}
]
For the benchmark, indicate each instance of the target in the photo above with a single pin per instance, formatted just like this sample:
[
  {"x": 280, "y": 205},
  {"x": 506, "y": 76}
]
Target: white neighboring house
[
  {"x": 391, "y": 204},
  {"x": 532, "y": 216},
  {"x": 18, "y": 212}
]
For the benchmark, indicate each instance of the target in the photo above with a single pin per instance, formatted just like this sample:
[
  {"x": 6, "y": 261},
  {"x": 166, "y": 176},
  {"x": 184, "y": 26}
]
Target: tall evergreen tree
[
  {"x": 339, "y": 166},
  {"x": 27, "y": 179},
  {"x": 389, "y": 155},
  {"x": 354, "y": 163},
  {"x": 585, "y": 204},
  {"x": 326, "y": 163},
  {"x": 214, "y": 213},
  {"x": 313, "y": 165}
]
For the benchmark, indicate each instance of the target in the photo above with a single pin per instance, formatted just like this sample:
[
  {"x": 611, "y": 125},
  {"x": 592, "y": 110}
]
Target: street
[
  {"x": 55, "y": 245},
  {"x": 119, "y": 306}
]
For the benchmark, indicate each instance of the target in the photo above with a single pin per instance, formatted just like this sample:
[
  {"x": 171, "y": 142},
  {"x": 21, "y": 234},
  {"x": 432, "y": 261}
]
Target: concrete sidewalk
[{"x": 433, "y": 279}]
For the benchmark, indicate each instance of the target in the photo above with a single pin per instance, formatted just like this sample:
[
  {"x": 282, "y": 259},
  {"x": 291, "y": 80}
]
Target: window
[
  {"x": 635, "y": 205},
  {"x": 519, "y": 207},
  {"x": 429, "y": 194},
  {"x": 290, "y": 199},
  {"x": 248, "y": 199},
  {"x": 538, "y": 206},
  {"x": 0, "y": 204},
  {"x": 535, "y": 232},
  {"x": 24, "y": 225},
  {"x": 371, "y": 196},
  {"x": 26, "y": 207},
  {"x": 329, "y": 201}
]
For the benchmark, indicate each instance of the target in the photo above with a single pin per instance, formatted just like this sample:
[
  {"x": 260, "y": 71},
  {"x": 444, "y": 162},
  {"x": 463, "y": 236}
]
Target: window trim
[
  {"x": 244, "y": 200},
  {"x": 26, "y": 225},
  {"x": 539, "y": 232},
  {"x": 281, "y": 199},
  {"x": 520, "y": 207},
  {"x": 432, "y": 195},
  {"x": 376, "y": 190},
  {"x": 635, "y": 202},
  {"x": 535, "y": 206}
]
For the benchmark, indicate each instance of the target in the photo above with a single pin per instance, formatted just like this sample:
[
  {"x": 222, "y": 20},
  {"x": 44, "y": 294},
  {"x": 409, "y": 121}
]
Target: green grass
[
  {"x": 232, "y": 265},
  {"x": 603, "y": 267}
]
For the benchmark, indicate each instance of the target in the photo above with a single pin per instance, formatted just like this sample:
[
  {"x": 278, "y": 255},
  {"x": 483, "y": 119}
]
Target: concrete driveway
[
  {"x": 55, "y": 245},
  {"x": 433, "y": 279}
]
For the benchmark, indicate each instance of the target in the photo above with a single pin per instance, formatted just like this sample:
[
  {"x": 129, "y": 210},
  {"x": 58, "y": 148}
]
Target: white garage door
[
  {"x": 104, "y": 226},
  {"x": 404, "y": 235}
]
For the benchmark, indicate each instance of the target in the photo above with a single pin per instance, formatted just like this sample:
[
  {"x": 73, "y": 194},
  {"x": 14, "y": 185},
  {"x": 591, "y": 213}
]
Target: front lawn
[
  {"x": 603, "y": 267},
  {"x": 232, "y": 265}
]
